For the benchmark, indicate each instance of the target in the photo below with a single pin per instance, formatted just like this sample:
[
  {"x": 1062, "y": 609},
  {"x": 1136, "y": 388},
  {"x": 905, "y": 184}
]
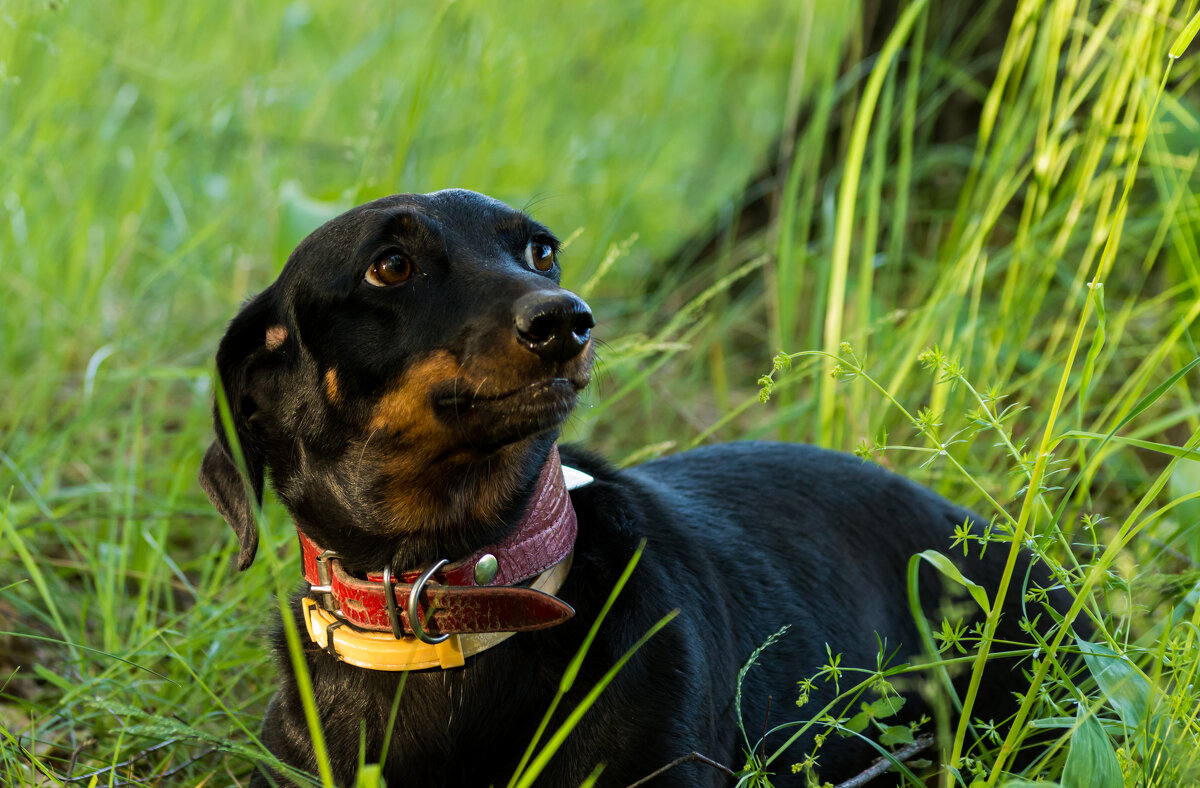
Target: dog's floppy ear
[
  {"x": 254, "y": 336},
  {"x": 226, "y": 489}
]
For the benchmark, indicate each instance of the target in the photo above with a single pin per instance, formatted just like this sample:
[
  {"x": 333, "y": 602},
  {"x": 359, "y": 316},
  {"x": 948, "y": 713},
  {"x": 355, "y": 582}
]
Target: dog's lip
[{"x": 462, "y": 395}]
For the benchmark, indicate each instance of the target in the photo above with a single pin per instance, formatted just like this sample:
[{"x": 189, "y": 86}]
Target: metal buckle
[
  {"x": 324, "y": 591},
  {"x": 414, "y": 594}
]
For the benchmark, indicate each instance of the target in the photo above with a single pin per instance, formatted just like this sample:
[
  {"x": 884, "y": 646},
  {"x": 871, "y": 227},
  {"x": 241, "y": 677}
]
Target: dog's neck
[
  {"x": 451, "y": 521},
  {"x": 370, "y": 549},
  {"x": 479, "y": 594},
  {"x": 543, "y": 536}
]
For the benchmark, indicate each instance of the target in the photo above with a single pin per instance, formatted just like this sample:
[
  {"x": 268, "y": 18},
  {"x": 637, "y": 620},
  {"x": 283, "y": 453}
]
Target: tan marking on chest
[{"x": 451, "y": 492}]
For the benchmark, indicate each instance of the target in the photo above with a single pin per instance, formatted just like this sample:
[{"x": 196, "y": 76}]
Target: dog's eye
[
  {"x": 539, "y": 255},
  {"x": 390, "y": 270}
]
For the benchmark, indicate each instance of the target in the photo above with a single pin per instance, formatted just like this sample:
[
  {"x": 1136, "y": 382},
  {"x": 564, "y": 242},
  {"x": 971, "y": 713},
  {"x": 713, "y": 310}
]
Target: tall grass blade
[
  {"x": 572, "y": 671},
  {"x": 847, "y": 198},
  {"x": 555, "y": 742}
]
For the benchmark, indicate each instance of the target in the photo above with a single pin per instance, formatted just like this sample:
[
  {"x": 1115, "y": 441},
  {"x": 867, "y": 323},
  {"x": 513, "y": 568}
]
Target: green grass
[{"x": 158, "y": 162}]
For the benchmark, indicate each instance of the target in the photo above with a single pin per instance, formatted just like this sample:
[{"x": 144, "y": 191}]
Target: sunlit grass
[
  {"x": 1076, "y": 213},
  {"x": 157, "y": 164}
]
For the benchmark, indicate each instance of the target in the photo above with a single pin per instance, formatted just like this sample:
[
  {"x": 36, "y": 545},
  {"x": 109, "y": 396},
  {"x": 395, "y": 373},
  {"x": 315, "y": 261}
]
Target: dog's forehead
[
  {"x": 452, "y": 218},
  {"x": 452, "y": 211},
  {"x": 455, "y": 214},
  {"x": 469, "y": 204}
]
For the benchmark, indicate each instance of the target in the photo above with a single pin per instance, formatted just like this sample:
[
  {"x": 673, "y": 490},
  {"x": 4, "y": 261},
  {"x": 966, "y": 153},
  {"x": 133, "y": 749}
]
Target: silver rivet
[{"x": 486, "y": 568}]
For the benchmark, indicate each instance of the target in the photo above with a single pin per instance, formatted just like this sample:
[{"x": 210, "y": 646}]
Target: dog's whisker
[{"x": 363, "y": 452}]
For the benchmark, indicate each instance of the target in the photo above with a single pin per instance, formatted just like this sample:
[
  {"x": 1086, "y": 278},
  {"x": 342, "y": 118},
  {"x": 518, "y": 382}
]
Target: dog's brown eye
[
  {"x": 390, "y": 270},
  {"x": 539, "y": 255}
]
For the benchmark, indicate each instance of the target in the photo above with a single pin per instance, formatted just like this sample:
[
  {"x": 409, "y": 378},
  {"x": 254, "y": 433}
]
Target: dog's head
[{"x": 402, "y": 377}]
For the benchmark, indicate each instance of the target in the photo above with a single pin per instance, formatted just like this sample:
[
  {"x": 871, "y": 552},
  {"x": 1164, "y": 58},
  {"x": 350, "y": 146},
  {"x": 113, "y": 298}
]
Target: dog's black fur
[{"x": 408, "y": 422}]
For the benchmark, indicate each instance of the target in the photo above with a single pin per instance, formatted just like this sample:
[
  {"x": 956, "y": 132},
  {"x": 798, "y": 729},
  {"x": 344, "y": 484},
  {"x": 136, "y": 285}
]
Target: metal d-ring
[{"x": 414, "y": 623}]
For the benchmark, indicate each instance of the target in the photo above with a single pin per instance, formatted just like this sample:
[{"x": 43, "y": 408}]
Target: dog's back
[{"x": 747, "y": 538}]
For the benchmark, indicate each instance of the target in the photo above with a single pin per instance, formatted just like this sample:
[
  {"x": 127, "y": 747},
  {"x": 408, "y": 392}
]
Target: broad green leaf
[
  {"x": 896, "y": 734},
  {"x": 1091, "y": 761},
  {"x": 1121, "y": 683},
  {"x": 1053, "y": 722},
  {"x": 44, "y": 673},
  {"x": 886, "y": 707},
  {"x": 947, "y": 568},
  {"x": 858, "y": 723}
]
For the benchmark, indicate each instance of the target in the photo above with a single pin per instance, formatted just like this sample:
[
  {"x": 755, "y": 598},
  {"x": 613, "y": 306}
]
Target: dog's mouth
[
  {"x": 462, "y": 398},
  {"x": 490, "y": 419}
]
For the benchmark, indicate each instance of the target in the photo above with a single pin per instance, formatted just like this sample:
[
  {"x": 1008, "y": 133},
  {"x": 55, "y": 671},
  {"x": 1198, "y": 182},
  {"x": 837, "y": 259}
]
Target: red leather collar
[{"x": 452, "y": 600}]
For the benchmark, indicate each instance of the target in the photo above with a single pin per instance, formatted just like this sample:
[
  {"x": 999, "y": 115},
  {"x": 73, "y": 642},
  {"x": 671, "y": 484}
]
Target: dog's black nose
[{"x": 555, "y": 325}]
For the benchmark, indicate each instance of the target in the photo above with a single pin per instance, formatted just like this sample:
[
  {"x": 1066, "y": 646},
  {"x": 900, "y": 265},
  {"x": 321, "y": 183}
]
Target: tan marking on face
[
  {"x": 432, "y": 480},
  {"x": 405, "y": 408},
  {"x": 275, "y": 336},
  {"x": 333, "y": 395}
]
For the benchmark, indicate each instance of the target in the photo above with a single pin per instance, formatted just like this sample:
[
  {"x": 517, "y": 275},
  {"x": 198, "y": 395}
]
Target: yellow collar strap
[{"x": 382, "y": 651}]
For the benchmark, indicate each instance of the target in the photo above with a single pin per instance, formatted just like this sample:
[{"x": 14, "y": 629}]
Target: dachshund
[{"x": 402, "y": 384}]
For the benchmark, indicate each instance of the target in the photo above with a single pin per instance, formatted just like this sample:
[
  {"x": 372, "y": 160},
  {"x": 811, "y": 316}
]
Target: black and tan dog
[{"x": 403, "y": 382}]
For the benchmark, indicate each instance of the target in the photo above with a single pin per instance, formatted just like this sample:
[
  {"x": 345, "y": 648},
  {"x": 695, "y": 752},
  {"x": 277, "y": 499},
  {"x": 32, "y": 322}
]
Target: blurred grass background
[{"x": 730, "y": 189}]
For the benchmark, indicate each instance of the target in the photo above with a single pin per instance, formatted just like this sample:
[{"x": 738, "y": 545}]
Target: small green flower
[
  {"x": 806, "y": 688},
  {"x": 930, "y": 358},
  {"x": 951, "y": 636},
  {"x": 962, "y": 534},
  {"x": 833, "y": 668},
  {"x": 927, "y": 421},
  {"x": 765, "y": 385}
]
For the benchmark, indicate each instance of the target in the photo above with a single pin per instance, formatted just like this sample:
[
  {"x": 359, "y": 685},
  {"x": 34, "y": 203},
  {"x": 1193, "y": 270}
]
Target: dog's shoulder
[
  {"x": 758, "y": 470},
  {"x": 737, "y": 458},
  {"x": 759, "y": 497}
]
